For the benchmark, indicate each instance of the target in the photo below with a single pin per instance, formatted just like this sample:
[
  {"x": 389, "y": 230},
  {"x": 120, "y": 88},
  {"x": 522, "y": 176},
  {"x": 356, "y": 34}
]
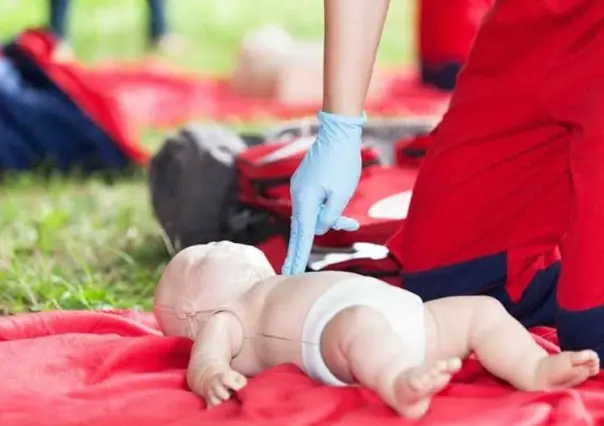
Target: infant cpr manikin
[{"x": 342, "y": 329}]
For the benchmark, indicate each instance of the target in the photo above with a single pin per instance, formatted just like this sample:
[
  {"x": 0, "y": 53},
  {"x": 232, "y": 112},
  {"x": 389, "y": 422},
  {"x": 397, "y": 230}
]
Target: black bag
[{"x": 193, "y": 184}]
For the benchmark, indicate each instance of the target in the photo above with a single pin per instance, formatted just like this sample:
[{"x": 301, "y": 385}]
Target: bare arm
[
  {"x": 353, "y": 29},
  {"x": 209, "y": 374}
]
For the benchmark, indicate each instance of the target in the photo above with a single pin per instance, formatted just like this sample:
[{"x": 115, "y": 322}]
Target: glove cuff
[{"x": 329, "y": 118}]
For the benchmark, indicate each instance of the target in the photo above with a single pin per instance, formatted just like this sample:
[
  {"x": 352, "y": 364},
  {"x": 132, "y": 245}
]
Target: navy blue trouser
[{"x": 157, "y": 18}]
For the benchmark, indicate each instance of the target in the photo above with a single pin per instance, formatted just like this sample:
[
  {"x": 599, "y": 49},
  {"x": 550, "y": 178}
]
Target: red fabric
[
  {"x": 516, "y": 161},
  {"x": 447, "y": 28},
  {"x": 91, "y": 96},
  {"x": 411, "y": 151},
  {"x": 275, "y": 250},
  {"x": 93, "y": 368}
]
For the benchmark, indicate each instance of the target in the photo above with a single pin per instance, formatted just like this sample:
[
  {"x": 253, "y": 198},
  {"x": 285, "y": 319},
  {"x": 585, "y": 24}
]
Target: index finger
[{"x": 305, "y": 211}]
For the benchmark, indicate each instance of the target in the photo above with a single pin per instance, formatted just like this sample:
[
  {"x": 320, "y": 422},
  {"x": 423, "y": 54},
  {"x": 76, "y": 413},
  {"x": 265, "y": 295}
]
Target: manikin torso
[
  {"x": 272, "y": 315},
  {"x": 271, "y": 308}
]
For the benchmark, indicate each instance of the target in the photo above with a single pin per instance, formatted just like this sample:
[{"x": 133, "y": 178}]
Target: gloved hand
[{"x": 322, "y": 186}]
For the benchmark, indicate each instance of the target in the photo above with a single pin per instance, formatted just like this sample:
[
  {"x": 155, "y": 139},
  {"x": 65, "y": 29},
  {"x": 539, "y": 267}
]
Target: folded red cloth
[{"x": 112, "y": 368}]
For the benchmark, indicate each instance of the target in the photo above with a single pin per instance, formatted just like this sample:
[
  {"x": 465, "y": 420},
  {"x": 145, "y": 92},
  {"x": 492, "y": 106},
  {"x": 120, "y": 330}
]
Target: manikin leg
[{"x": 359, "y": 345}]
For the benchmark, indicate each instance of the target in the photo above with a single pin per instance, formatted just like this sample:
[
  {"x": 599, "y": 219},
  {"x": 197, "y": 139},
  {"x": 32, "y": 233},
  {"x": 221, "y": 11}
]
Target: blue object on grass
[{"x": 41, "y": 124}]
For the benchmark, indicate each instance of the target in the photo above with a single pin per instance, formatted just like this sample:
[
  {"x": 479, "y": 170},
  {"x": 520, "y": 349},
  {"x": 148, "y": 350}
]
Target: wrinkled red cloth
[{"x": 110, "y": 368}]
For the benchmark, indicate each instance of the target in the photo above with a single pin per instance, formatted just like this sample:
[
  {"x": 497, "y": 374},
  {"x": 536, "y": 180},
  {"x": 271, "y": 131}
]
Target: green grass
[{"x": 69, "y": 243}]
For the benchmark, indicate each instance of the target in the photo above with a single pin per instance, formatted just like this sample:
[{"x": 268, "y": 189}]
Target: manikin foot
[
  {"x": 566, "y": 369},
  {"x": 414, "y": 388}
]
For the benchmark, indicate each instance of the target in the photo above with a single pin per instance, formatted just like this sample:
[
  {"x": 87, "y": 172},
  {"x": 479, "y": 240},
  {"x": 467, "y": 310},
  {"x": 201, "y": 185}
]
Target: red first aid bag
[
  {"x": 409, "y": 152},
  {"x": 380, "y": 202}
]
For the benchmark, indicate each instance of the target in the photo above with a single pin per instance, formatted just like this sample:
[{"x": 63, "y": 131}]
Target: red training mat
[
  {"x": 92, "y": 368},
  {"x": 160, "y": 97}
]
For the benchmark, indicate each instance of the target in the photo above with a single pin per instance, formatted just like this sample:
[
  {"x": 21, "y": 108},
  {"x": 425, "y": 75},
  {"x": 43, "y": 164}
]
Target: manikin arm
[
  {"x": 209, "y": 374},
  {"x": 353, "y": 29}
]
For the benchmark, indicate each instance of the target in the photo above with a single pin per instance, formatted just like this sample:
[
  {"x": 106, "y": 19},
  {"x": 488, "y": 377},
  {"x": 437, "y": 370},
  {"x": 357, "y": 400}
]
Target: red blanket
[{"x": 92, "y": 368}]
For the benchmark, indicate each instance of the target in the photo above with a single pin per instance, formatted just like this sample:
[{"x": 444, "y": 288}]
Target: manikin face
[{"x": 204, "y": 278}]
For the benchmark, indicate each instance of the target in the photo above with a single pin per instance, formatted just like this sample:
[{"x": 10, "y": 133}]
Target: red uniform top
[{"x": 515, "y": 171}]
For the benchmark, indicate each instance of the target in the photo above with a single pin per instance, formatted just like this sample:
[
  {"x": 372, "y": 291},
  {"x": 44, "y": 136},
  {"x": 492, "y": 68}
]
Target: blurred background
[
  {"x": 111, "y": 29},
  {"x": 72, "y": 243}
]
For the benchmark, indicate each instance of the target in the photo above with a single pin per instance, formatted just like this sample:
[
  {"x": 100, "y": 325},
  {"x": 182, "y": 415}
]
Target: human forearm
[
  {"x": 327, "y": 177},
  {"x": 353, "y": 29}
]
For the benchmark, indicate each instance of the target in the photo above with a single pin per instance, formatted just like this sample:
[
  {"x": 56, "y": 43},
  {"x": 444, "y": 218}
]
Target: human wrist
[
  {"x": 347, "y": 106},
  {"x": 336, "y": 128},
  {"x": 326, "y": 117}
]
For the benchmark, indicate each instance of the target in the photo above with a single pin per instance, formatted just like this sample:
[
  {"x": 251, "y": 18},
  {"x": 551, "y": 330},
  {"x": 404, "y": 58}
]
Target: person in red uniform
[{"x": 507, "y": 202}]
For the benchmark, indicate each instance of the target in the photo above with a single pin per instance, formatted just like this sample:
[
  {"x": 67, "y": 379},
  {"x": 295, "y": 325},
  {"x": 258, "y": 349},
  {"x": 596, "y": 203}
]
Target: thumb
[
  {"x": 330, "y": 212},
  {"x": 345, "y": 223}
]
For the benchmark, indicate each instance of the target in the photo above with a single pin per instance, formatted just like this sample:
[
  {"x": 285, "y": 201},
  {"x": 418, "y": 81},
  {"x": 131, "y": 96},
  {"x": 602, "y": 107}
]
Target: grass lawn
[{"x": 72, "y": 244}]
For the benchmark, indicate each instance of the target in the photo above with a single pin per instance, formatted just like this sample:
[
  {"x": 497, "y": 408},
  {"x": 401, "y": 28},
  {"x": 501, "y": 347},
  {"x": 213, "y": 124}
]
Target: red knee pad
[{"x": 410, "y": 152}]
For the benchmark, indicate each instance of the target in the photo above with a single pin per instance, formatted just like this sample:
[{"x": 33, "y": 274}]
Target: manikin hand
[
  {"x": 210, "y": 374},
  {"x": 217, "y": 386}
]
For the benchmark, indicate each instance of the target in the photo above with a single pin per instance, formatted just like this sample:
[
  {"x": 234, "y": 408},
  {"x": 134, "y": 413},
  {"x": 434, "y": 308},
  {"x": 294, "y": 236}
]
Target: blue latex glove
[{"x": 322, "y": 186}]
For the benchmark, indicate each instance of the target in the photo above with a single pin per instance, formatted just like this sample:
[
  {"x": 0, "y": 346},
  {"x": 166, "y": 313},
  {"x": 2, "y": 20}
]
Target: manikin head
[{"x": 202, "y": 279}]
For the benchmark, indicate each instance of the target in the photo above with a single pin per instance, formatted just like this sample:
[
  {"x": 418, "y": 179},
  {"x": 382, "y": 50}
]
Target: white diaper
[{"x": 403, "y": 309}]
